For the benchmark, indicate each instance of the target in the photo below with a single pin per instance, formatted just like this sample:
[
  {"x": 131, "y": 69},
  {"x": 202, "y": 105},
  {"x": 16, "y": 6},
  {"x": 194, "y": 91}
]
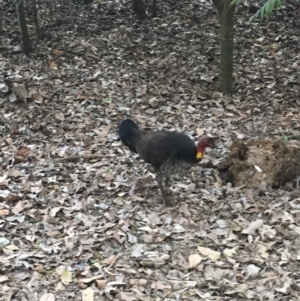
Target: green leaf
[
  {"x": 216, "y": 171},
  {"x": 107, "y": 100},
  {"x": 268, "y": 8},
  {"x": 285, "y": 138}
]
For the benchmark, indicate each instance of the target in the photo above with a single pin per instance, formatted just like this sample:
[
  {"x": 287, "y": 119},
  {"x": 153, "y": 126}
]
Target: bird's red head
[{"x": 204, "y": 142}]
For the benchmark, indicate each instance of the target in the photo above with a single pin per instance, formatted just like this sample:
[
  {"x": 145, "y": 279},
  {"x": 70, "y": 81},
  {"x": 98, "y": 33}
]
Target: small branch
[
  {"x": 77, "y": 158},
  {"x": 151, "y": 82},
  {"x": 17, "y": 160}
]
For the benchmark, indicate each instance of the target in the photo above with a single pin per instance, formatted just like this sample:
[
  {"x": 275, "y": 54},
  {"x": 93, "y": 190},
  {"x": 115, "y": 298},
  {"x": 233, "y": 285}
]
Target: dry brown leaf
[
  {"x": 81, "y": 284},
  {"x": 21, "y": 91},
  {"x": 101, "y": 283},
  {"x": 40, "y": 268},
  {"x": 66, "y": 277},
  {"x": 48, "y": 297},
  {"x": 4, "y": 180},
  {"x": 57, "y": 52},
  {"x": 125, "y": 296},
  {"x": 89, "y": 280},
  {"x": 234, "y": 226},
  {"x": 88, "y": 294},
  {"x": 213, "y": 255},
  {"x": 24, "y": 151},
  {"x": 50, "y": 220},
  {"x": 230, "y": 252},
  {"x": 18, "y": 208},
  {"x": 54, "y": 211},
  {"x": 113, "y": 259},
  {"x": 200, "y": 131},
  {"x": 60, "y": 116},
  {"x": 60, "y": 287},
  {"x": 53, "y": 65},
  {"x": 4, "y": 212},
  {"x": 117, "y": 237},
  {"x": 12, "y": 248},
  {"x": 38, "y": 97},
  {"x": 3, "y": 278},
  {"x": 13, "y": 198},
  {"x": 143, "y": 282},
  {"x": 237, "y": 288},
  {"x": 252, "y": 271},
  {"x": 251, "y": 229},
  {"x": 194, "y": 260},
  {"x": 140, "y": 295}
]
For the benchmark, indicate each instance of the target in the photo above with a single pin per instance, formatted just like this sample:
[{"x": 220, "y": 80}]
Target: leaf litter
[{"x": 80, "y": 215}]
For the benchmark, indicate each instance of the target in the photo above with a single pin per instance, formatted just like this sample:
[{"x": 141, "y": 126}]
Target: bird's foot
[{"x": 168, "y": 200}]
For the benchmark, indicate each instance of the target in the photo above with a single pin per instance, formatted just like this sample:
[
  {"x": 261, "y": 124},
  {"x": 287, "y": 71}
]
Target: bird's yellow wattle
[{"x": 199, "y": 155}]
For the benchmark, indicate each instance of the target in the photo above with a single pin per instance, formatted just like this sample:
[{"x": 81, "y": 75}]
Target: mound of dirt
[{"x": 263, "y": 160}]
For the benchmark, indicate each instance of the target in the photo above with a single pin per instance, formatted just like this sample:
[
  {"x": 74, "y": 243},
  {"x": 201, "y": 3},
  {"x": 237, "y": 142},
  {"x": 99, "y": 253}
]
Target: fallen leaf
[
  {"x": 12, "y": 247},
  {"x": 140, "y": 295},
  {"x": 4, "y": 241},
  {"x": 88, "y": 294},
  {"x": 3, "y": 278},
  {"x": 137, "y": 250},
  {"x": 4, "y": 181},
  {"x": 66, "y": 277},
  {"x": 252, "y": 271},
  {"x": 54, "y": 211},
  {"x": 230, "y": 252},
  {"x": 53, "y": 65},
  {"x": 89, "y": 280},
  {"x": 112, "y": 260},
  {"x": 194, "y": 260},
  {"x": 101, "y": 283},
  {"x": 126, "y": 296},
  {"x": 18, "y": 208},
  {"x": 4, "y": 212},
  {"x": 57, "y": 52},
  {"x": 253, "y": 227},
  {"x": 234, "y": 226},
  {"x": 258, "y": 168},
  {"x": 48, "y": 297},
  {"x": 24, "y": 151},
  {"x": 40, "y": 268},
  {"x": 213, "y": 255}
]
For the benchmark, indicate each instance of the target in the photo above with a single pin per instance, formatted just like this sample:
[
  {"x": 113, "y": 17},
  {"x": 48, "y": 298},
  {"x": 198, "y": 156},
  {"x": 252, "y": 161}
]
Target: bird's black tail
[{"x": 129, "y": 132}]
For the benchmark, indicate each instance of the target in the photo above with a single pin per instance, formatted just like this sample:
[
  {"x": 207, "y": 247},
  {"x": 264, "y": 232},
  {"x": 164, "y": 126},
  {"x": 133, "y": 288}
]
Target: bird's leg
[
  {"x": 168, "y": 201},
  {"x": 168, "y": 182},
  {"x": 163, "y": 183},
  {"x": 132, "y": 190}
]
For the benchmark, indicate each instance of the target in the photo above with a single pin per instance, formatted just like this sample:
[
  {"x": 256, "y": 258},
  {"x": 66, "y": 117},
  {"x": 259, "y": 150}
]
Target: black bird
[{"x": 168, "y": 152}]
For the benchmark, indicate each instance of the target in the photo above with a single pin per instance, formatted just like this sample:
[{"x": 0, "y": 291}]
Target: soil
[{"x": 259, "y": 161}]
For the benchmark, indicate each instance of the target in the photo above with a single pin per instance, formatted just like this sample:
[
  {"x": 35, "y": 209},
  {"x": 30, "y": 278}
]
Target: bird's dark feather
[
  {"x": 160, "y": 147},
  {"x": 168, "y": 152}
]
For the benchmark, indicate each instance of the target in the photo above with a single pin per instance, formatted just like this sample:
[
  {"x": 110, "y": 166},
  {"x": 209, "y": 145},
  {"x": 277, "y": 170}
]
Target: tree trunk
[
  {"x": 154, "y": 8},
  {"x": 138, "y": 7},
  {"x": 25, "y": 40},
  {"x": 35, "y": 19},
  {"x": 226, "y": 16}
]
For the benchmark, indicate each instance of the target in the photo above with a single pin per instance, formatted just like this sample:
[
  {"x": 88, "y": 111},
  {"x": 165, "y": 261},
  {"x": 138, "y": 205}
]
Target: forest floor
[{"x": 74, "y": 222}]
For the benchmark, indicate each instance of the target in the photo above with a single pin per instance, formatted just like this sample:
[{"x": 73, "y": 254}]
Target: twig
[
  {"x": 17, "y": 160},
  {"x": 151, "y": 82},
  {"x": 76, "y": 158},
  {"x": 298, "y": 181}
]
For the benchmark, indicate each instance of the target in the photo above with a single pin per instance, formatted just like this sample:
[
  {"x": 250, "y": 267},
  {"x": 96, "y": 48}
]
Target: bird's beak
[{"x": 199, "y": 155}]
